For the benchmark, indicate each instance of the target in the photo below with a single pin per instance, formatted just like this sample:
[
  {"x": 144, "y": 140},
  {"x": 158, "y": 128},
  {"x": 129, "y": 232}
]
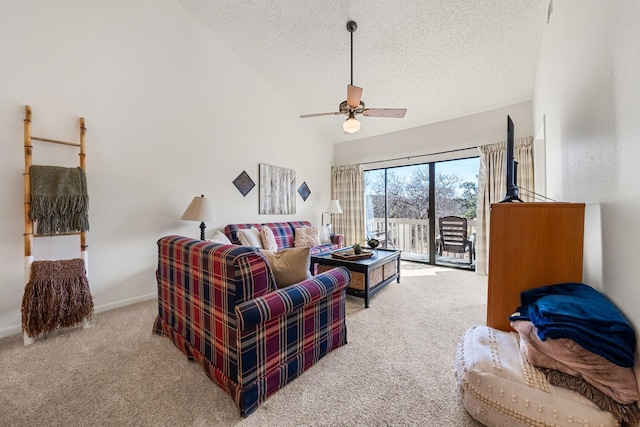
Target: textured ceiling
[{"x": 439, "y": 59}]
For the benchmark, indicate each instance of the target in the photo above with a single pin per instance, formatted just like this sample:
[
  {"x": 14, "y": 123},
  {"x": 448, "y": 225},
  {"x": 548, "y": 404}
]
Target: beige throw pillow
[
  {"x": 250, "y": 237},
  {"x": 306, "y": 237},
  {"x": 268, "y": 239},
  {"x": 289, "y": 266}
]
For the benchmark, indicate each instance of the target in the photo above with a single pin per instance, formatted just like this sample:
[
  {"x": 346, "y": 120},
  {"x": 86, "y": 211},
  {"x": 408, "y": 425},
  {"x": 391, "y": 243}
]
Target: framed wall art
[
  {"x": 304, "y": 191},
  {"x": 277, "y": 190},
  {"x": 244, "y": 183}
]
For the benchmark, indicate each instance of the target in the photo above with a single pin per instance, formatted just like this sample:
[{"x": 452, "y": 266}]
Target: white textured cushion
[
  {"x": 306, "y": 237},
  {"x": 268, "y": 239},
  {"x": 499, "y": 387},
  {"x": 324, "y": 234},
  {"x": 220, "y": 237},
  {"x": 289, "y": 266},
  {"x": 250, "y": 237}
]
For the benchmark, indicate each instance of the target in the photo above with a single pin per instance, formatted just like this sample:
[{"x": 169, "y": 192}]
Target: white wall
[
  {"x": 588, "y": 87},
  {"x": 483, "y": 128},
  {"x": 171, "y": 114}
]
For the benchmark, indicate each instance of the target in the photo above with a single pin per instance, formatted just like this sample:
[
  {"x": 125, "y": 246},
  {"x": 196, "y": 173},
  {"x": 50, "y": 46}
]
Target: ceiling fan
[{"x": 354, "y": 105}]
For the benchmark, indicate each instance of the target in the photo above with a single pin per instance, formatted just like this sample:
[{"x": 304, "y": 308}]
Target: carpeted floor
[{"x": 396, "y": 370}]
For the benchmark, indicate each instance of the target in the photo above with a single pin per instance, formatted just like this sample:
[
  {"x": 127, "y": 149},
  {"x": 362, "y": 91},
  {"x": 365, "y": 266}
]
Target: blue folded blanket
[{"x": 582, "y": 314}]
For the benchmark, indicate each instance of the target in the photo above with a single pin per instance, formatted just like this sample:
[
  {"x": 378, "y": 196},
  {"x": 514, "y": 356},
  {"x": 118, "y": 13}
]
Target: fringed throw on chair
[
  {"x": 57, "y": 296},
  {"x": 59, "y": 199}
]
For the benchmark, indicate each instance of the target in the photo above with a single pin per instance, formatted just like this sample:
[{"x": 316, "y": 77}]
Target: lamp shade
[
  {"x": 200, "y": 209},
  {"x": 351, "y": 125},
  {"x": 334, "y": 207}
]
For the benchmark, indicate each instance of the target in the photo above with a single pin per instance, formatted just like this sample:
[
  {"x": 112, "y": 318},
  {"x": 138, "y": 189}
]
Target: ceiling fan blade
[
  {"x": 396, "y": 113},
  {"x": 354, "y": 94},
  {"x": 335, "y": 113}
]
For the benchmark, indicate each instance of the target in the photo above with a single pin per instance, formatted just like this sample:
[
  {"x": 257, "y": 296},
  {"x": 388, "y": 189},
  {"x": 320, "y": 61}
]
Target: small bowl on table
[{"x": 373, "y": 243}]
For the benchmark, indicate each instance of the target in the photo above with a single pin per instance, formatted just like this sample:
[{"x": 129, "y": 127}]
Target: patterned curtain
[
  {"x": 492, "y": 187},
  {"x": 347, "y": 185}
]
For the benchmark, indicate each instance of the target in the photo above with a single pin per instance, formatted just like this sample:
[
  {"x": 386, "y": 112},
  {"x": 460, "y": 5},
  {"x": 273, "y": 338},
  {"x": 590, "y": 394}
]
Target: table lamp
[
  {"x": 200, "y": 209},
  {"x": 333, "y": 208}
]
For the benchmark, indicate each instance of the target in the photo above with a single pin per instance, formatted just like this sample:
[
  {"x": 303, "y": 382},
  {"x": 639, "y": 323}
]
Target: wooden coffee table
[{"x": 368, "y": 275}]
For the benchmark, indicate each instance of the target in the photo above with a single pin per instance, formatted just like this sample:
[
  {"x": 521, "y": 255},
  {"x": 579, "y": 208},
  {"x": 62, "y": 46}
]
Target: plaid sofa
[
  {"x": 219, "y": 305},
  {"x": 285, "y": 233}
]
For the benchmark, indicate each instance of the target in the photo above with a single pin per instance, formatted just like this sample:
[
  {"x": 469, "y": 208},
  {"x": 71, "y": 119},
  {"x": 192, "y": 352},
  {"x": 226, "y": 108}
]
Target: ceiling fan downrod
[{"x": 352, "y": 27}]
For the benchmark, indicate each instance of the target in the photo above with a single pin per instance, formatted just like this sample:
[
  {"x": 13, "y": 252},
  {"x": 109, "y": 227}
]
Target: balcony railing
[{"x": 411, "y": 236}]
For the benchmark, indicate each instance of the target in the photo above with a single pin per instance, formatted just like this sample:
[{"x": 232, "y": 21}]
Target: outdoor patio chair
[{"x": 453, "y": 236}]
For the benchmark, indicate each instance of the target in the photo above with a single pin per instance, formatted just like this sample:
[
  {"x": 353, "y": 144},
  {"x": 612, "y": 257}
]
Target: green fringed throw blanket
[
  {"x": 57, "y": 296},
  {"x": 59, "y": 200}
]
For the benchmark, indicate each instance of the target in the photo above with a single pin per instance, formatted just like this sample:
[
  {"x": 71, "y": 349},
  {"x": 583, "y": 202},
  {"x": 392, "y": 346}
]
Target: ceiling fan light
[{"x": 351, "y": 125}]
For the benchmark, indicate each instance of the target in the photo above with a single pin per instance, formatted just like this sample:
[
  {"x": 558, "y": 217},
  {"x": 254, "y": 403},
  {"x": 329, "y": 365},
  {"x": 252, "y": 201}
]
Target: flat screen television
[{"x": 511, "y": 167}]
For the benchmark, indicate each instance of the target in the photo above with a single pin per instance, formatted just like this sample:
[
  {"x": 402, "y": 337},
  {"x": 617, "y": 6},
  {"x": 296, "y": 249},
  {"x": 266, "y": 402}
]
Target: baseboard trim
[
  {"x": 17, "y": 329},
  {"x": 124, "y": 303}
]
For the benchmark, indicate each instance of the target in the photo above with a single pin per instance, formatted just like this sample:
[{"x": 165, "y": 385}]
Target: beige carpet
[{"x": 396, "y": 370}]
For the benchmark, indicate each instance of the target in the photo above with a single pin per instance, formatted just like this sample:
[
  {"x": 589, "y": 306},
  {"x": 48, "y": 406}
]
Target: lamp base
[{"x": 202, "y": 228}]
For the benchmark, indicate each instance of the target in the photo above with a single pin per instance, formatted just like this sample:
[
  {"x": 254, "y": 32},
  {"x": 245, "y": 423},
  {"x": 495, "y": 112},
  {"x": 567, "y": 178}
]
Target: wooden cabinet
[{"x": 531, "y": 245}]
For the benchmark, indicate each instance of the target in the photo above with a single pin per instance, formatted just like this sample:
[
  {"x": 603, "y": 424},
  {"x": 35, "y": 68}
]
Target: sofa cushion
[
  {"x": 268, "y": 239},
  {"x": 283, "y": 231},
  {"x": 325, "y": 247},
  {"x": 289, "y": 266},
  {"x": 284, "y": 234},
  {"x": 306, "y": 237},
  {"x": 283, "y": 302},
  {"x": 250, "y": 237},
  {"x": 219, "y": 237}
]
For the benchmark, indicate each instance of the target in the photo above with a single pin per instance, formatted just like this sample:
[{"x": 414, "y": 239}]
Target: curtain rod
[{"x": 419, "y": 155}]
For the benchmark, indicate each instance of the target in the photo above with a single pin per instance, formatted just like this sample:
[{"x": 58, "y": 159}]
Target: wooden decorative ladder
[{"x": 28, "y": 223}]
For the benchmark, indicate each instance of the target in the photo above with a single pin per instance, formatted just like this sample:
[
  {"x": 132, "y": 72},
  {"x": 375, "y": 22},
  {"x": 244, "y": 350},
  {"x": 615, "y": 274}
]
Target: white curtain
[
  {"x": 492, "y": 187},
  {"x": 347, "y": 185}
]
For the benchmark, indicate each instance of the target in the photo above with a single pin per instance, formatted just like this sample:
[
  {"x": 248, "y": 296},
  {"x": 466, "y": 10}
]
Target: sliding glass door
[
  {"x": 403, "y": 204},
  {"x": 397, "y": 208}
]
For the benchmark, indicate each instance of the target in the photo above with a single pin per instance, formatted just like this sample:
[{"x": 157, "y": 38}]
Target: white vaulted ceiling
[{"x": 439, "y": 59}]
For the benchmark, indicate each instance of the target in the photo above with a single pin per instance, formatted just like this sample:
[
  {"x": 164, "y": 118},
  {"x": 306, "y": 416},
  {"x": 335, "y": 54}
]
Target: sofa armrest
[
  {"x": 287, "y": 300},
  {"x": 338, "y": 239}
]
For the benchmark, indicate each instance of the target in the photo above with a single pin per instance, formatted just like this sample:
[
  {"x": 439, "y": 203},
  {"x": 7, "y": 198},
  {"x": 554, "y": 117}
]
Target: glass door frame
[{"x": 430, "y": 199}]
